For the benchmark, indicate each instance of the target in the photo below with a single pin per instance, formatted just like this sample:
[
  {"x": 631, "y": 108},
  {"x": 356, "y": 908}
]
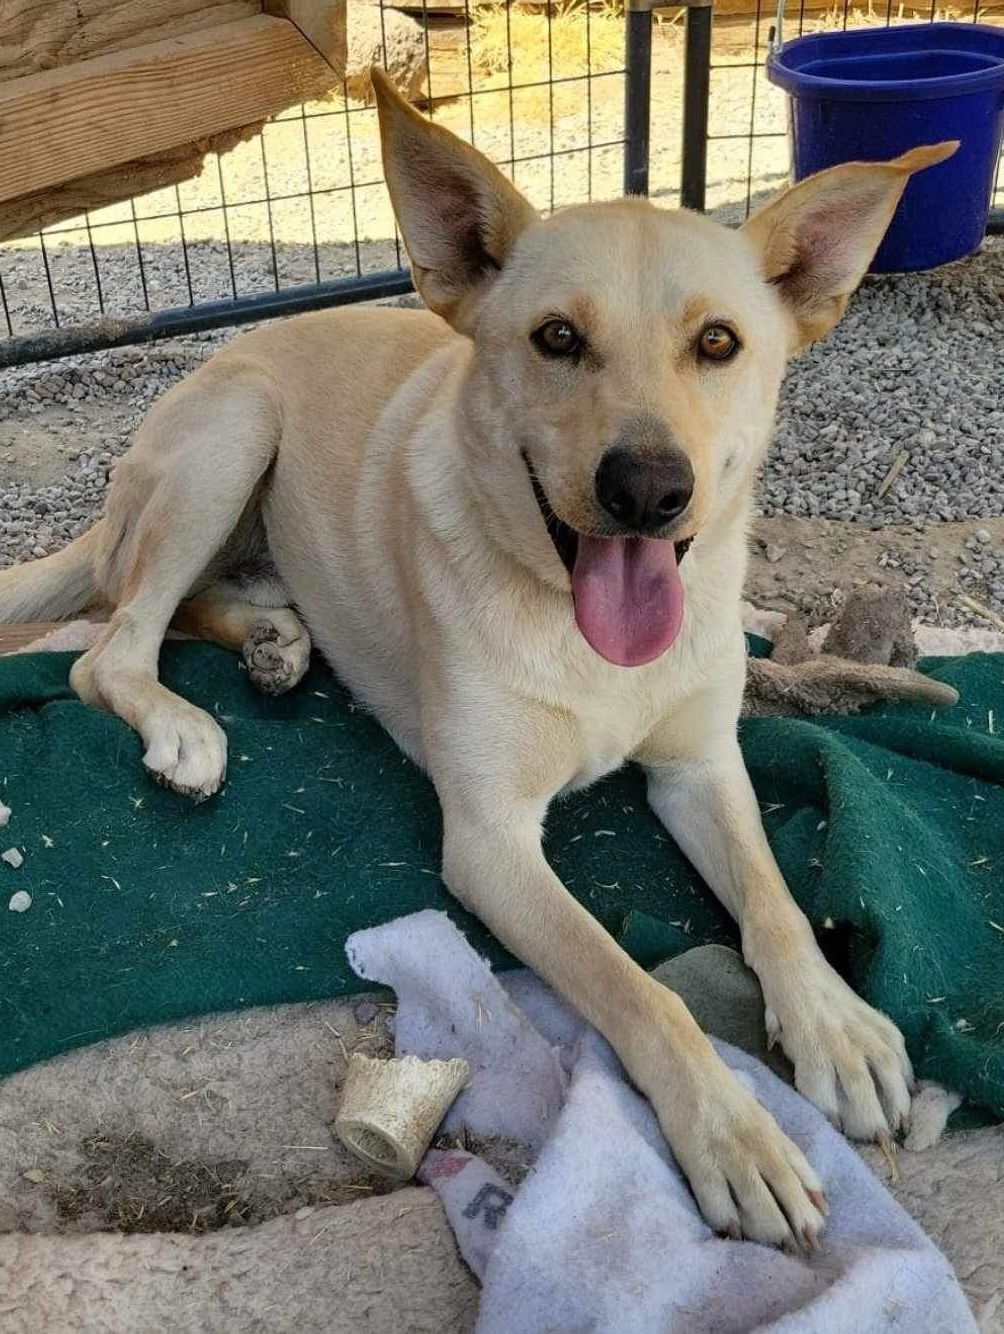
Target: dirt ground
[
  {"x": 808, "y": 565},
  {"x": 38, "y": 450}
]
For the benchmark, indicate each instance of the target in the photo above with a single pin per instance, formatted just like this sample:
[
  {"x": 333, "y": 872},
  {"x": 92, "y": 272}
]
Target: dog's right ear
[{"x": 458, "y": 214}]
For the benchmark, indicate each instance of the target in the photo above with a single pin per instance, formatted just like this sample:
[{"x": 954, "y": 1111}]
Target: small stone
[
  {"x": 20, "y": 902},
  {"x": 38, "y": 552},
  {"x": 774, "y": 553},
  {"x": 982, "y": 535},
  {"x": 5, "y": 814},
  {"x": 12, "y": 857},
  {"x": 365, "y": 1012},
  {"x": 35, "y": 1175}
]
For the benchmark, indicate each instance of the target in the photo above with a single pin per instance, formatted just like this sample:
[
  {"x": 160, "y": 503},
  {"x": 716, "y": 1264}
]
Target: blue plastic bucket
[{"x": 874, "y": 93}]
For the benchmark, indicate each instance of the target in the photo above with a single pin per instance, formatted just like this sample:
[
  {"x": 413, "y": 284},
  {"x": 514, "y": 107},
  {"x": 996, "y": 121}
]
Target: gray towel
[{"x": 603, "y": 1235}]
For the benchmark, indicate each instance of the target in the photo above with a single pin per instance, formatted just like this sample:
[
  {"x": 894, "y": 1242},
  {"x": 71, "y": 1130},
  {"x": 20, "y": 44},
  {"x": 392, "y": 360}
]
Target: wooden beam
[
  {"x": 43, "y": 208},
  {"x": 322, "y": 22},
  {"x": 100, "y": 113},
  {"x": 37, "y": 35},
  {"x": 14, "y": 637}
]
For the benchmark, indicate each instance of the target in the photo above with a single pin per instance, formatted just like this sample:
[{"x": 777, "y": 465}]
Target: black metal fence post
[
  {"x": 47, "y": 344},
  {"x": 637, "y": 95},
  {"x": 696, "y": 87}
]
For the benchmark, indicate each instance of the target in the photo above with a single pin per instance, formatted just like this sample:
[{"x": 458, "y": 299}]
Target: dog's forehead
[{"x": 630, "y": 258}]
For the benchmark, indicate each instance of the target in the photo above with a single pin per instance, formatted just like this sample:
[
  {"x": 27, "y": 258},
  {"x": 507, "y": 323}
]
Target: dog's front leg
[
  {"x": 748, "y": 1177},
  {"x": 849, "y": 1059}
]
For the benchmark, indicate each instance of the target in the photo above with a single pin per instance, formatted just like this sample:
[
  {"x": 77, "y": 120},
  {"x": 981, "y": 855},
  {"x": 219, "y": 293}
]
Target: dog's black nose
[{"x": 644, "y": 492}]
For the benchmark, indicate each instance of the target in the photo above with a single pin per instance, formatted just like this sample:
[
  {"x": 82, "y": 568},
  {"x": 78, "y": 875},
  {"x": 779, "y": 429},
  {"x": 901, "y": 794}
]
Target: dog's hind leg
[
  {"x": 273, "y": 640},
  {"x": 187, "y": 483}
]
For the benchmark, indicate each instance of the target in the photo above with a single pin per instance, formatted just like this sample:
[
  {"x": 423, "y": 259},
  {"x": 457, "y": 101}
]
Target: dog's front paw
[
  {"x": 185, "y": 750},
  {"x": 747, "y": 1176},
  {"x": 849, "y": 1060}
]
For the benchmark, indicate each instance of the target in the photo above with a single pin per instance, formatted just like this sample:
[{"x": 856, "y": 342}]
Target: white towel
[{"x": 603, "y": 1234}]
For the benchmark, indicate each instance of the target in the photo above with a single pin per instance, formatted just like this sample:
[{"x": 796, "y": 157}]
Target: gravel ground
[
  {"x": 913, "y": 368},
  {"x": 909, "y": 384},
  {"x": 62, "y": 425}
]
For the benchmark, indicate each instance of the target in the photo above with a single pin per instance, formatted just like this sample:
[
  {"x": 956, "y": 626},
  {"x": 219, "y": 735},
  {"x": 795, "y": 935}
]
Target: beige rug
[{"x": 229, "y": 1119}]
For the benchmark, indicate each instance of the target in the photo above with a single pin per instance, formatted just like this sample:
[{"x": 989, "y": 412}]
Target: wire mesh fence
[
  {"x": 303, "y": 202},
  {"x": 302, "y": 205}
]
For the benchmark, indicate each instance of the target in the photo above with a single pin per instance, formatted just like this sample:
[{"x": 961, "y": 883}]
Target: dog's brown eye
[
  {"x": 717, "y": 343},
  {"x": 558, "y": 338}
]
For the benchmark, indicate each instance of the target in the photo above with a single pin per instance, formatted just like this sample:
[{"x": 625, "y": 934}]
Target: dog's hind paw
[{"x": 276, "y": 663}]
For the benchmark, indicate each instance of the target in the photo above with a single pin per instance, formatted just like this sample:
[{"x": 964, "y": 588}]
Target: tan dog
[{"x": 516, "y": 528}]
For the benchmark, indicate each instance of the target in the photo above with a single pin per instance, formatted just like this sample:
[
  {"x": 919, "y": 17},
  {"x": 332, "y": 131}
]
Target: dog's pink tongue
[{"x": 628, "y": 597}]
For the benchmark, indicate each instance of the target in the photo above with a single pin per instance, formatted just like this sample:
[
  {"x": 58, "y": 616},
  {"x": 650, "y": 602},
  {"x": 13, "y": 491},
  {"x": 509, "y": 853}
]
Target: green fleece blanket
[{"x": 889, "y": 828}]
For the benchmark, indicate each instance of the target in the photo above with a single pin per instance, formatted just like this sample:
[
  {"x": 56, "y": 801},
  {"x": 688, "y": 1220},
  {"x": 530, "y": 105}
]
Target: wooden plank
[
  {"x": 322, "y": 22},
  {"x": 104, "y": 112},
  {"x": 44, "y": 208},
  {"x": 898, "y": 464},
  {"x": 434, "y": 9},
  {"x": 37, "y": 35},
  {"x": 14, "y": 637}
]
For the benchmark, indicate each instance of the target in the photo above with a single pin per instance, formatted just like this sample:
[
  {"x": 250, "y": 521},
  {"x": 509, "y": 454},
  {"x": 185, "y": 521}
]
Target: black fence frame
[{"x": 109, "y": 333}]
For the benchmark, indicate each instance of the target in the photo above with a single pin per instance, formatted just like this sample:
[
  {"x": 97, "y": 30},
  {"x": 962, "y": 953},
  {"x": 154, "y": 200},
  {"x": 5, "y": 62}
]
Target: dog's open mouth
[{"x": 627, "y": 591}]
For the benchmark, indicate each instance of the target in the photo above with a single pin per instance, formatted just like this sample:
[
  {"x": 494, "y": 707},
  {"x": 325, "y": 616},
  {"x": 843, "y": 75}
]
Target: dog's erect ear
[
  {"x": 458, "y": 214},
  {"x": 817, "y": 240}
]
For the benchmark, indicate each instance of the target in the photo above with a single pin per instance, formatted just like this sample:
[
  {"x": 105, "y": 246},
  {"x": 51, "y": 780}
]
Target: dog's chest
[
  {"x": 611, "y": 726},
  {"x": 597, "y": 766},
  {"x": 617, "y": 709}
]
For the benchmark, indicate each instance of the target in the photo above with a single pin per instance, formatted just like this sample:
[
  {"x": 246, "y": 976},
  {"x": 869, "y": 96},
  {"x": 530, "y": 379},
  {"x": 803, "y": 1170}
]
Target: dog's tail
[{"x": 53, "y": 587}]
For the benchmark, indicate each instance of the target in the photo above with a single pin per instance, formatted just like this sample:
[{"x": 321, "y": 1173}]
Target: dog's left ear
[
  {"x": 458, "y": 214},
  {"x": 817, "y": 240}
]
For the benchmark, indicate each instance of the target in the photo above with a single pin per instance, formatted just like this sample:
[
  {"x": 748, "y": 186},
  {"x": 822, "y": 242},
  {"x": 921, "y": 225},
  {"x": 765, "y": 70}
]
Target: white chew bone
[{"x": 391, "y": 1109}]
